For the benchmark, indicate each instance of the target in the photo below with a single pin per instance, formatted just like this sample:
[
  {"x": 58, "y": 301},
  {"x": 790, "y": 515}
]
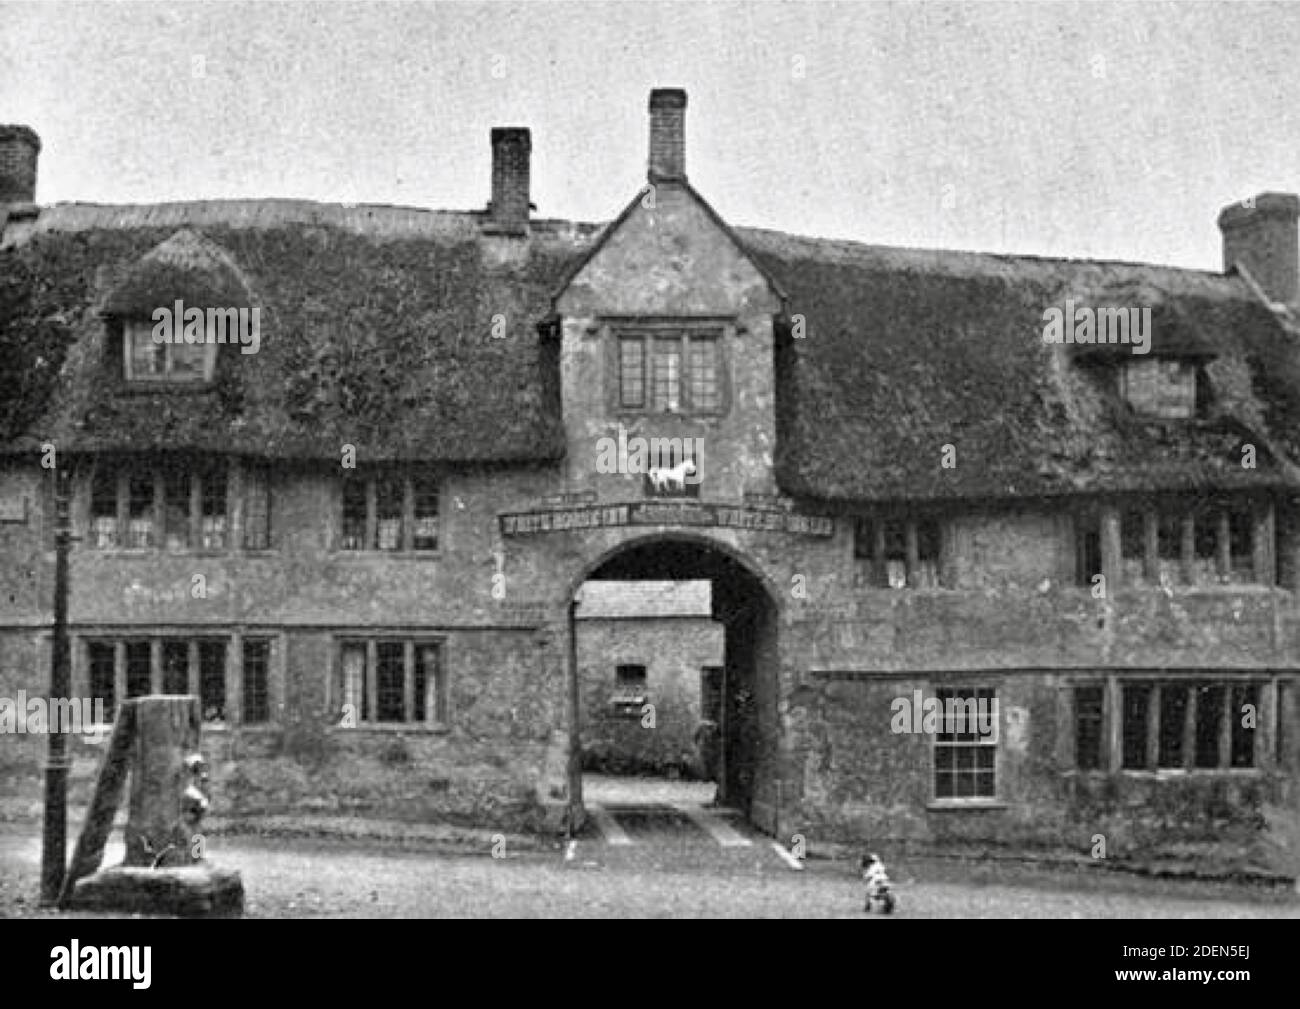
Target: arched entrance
[{"x": 748, "y": 720}]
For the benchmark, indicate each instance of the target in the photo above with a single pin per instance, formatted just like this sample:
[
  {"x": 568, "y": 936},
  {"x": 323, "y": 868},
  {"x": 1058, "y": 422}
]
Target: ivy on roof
[
  {"x": 407, "y": 339},
  {"x": 391, "y": 346}
]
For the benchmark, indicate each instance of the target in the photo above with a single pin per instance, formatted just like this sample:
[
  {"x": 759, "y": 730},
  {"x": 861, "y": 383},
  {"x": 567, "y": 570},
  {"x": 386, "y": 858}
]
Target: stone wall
[
  {"x": 674, "y": 652},
  {"x": 863, "y": 782}
]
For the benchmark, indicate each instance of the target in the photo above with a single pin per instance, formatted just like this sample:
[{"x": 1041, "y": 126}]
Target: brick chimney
[
  {"x": 511, "y": 150},
  {"x": 19, "y": 147},
  {"x": 1261, "y": 234},
  {"x": 667, "y": 135}
]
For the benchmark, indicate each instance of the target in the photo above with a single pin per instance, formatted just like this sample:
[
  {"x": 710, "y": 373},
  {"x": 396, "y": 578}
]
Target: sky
[{"x": 1099, "y": 130}]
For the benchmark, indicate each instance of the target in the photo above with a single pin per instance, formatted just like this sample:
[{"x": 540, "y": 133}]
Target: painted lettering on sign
[{"x": 662, "y": 513}]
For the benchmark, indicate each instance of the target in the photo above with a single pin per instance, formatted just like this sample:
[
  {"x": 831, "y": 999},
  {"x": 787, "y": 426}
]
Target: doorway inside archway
[{"x": 676, "y": 697}]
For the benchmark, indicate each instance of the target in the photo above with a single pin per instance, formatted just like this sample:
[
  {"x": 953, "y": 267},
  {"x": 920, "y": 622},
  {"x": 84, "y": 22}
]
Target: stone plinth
[{"x": 192, "y": 891}]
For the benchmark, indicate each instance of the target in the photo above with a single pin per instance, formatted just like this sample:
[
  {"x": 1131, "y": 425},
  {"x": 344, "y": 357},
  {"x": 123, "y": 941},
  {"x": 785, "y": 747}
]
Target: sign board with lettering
[
  {"x": 662, "y": 513},
  {"x": 524, "y": 612}
]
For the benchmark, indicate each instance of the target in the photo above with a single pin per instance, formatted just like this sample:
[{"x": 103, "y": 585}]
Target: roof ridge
[
  {"x": 281, "y": 209},
  {"x": 374, "y": 219},
  {"x": 1009, "y": 258}
]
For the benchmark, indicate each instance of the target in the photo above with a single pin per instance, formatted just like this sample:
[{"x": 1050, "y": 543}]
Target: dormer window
[
  {"x": 1162, "y": 387},
  {"x": 172, "y": 309},
  {"x": 150, "y": 361}
]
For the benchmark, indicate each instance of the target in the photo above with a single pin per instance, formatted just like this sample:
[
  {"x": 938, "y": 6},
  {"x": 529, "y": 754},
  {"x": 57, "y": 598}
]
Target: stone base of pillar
[{"x": 192, "y": 891}]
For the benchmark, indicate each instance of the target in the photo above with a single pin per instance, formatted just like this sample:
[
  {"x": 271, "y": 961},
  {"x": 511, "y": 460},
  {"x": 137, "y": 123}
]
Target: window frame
[
  {"x": 247, "y": 642},
  {"x": 149, "y": 647},
  {"x": 629, "y": 695},
  {"x": 687, "y": 336},
  {"x": 1180, "y": 556},
  {"x": 621, "y": 677},
  {"x": 132, "y": 327},
  {"x": 414, "y": 484},
  {"x": 1088, "y": 550},
  {"x": 872, "y": 549},
  {"x": 437, "y": 717},
  {"x": 978, "y": 745},
  {"x": 123, "y": 530},
  {"x": 105, "y": 488},
  {"x": 1160, "y": 365},
  {"x": 110, "y": 697},
  {"x": 1102, "y": 724},
  {"x": 1130, "y": 729},
  {"x": 255, "y": 480}
]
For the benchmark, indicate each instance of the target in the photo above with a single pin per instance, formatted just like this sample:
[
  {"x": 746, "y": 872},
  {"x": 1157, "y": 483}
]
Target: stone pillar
[{"x": 166, "y": 732}]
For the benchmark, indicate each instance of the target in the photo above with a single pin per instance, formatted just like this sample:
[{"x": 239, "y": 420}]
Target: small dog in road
[{"x": 877, "y": 883}]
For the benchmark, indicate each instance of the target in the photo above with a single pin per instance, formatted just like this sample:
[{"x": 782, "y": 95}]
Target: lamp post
[{"x": 54, "y": 850}]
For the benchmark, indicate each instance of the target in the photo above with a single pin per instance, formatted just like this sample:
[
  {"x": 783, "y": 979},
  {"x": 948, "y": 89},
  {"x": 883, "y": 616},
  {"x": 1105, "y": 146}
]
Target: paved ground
[
  {"x": 609, "y": 790},
  {"x": 659, "y": 861}
]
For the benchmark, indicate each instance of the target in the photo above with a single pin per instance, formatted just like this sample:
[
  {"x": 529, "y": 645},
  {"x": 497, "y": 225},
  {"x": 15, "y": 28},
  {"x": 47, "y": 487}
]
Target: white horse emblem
[{"x": 672, "y": 479}]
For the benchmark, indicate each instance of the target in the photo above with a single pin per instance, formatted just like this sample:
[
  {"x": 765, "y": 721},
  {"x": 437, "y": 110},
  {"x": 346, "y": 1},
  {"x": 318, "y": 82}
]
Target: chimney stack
[
  {"x": 1261, "y": 234},
  {"x": 511, "y": 150},
  {"x": 667, "y": 135},
  {"x": 19, "y": 147}
]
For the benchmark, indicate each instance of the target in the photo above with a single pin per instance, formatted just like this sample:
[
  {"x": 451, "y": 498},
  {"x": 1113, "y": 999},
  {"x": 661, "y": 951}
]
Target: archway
[{"x": 748, "y": 720}]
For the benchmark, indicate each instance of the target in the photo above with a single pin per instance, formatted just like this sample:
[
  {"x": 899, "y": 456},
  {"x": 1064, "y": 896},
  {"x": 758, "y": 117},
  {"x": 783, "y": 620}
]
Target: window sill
[
  {"x": 908, "y": 590},
  {"x": 939, "y": 805},
  {"x": 148, "y": 386},
  {"x": 107, "y": 728},
  {"x": 1178, "y": 773},
  {"x": 1197, "y": 588},
  {"x": 163, "y": 552},
  {"x": 391, "y": 555},
  {"x": 392, "y": 728},
  {"x": 634, "y": 413}
]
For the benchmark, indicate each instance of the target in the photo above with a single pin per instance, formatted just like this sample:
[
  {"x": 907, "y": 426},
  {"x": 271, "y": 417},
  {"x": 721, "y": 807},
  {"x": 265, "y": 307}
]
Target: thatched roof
[
  {"x": 186, "y": 267},
  {"x": 377, "y": 330},
  {"x": 905, "y": 351}
]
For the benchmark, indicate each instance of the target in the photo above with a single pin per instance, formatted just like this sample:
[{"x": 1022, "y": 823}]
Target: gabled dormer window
[
  {"x": 151, "y": 360},
  {"x": 173, "y": 307},
  {"x": 1161, "y": 387}
]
